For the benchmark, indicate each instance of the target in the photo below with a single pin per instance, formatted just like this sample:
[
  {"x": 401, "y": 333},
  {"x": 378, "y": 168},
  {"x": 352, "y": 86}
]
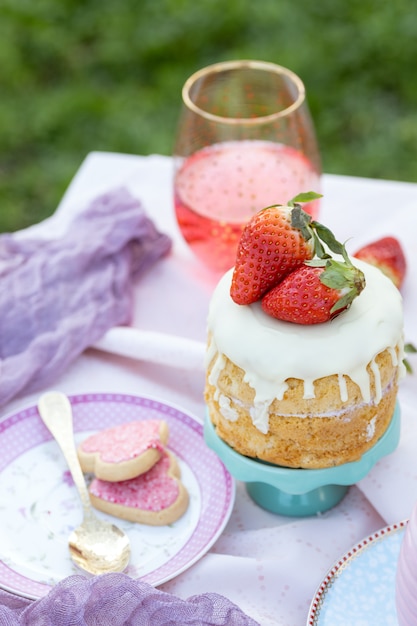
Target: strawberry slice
[
  {"x": 387, "y": 254},
  {"x": 275, "y": 242},
  {"x": 314, "y": 293}
]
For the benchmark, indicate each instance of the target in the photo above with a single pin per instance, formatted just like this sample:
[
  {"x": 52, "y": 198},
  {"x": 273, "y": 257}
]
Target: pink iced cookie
[
  {"x": 124, "y": 451},
  {"x": 157, "y": 497}
]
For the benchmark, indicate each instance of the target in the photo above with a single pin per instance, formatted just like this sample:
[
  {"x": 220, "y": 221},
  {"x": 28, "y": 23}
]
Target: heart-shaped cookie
[
  {"x": 125, "y": 451},
  {"x": 157, "y": 497}
]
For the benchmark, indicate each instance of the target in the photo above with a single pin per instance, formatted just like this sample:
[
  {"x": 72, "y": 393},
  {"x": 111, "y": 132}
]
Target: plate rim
[
  {"x": 197, "y": 425},
  {"x": 367, "y": 542}
]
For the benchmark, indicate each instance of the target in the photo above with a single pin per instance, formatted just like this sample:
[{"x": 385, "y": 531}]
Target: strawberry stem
[
  {"x": 346, "y": 279},
  {"x": 340, "y": 275}
]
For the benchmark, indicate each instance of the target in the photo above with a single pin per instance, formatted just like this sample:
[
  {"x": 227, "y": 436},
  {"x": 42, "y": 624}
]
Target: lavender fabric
[
  {"x": 59, "y": 296},
  {"x": 117, "y": 600}
]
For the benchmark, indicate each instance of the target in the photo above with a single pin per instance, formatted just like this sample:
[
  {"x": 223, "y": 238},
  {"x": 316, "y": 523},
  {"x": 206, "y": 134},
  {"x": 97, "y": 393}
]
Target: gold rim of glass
[{"x": 239, "y": 65}]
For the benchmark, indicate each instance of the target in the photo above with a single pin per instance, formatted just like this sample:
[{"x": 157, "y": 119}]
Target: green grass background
[{"x": 77, "y": 76}]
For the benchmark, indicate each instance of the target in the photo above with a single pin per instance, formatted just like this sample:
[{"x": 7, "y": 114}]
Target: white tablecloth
[{"x": 269, "y": 565}]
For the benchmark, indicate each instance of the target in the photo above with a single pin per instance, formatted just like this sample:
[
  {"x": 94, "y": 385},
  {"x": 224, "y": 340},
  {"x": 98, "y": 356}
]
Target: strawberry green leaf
[
  {"x": 340, "y": 275},
  {"x": 329, "y": 239},
  {"x": 348, "y": 280},
  {"x": 344, "y": 302},
  {"x": 336, "y": 276},
  {"x": 409, "y": 349},
  {"x": 307, "y": 196},
  {"x": 319, "y": 249}
]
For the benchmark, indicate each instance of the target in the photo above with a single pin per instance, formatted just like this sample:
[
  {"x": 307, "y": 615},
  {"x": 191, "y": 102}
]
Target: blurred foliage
[{"x": 83, "y": 75}]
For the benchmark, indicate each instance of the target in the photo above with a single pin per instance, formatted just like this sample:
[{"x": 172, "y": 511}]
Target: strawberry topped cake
[{"x": 305, "y": 345}]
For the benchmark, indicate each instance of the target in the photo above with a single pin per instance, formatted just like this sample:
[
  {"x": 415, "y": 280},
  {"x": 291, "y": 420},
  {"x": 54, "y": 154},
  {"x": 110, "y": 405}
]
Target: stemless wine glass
[{"x": 245, "y": 140}]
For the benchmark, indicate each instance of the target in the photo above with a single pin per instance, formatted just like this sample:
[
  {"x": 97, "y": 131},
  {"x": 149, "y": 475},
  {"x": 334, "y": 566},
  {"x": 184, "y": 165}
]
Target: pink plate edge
[{"x": 33, "y": 590}]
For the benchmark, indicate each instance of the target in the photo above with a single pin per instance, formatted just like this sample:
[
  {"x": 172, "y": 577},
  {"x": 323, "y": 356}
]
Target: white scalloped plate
[{"x": 39, "y": 505}]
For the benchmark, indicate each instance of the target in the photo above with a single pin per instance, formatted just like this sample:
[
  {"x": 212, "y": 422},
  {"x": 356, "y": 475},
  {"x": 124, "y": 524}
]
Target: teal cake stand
[{"x": 300, "y": 492}]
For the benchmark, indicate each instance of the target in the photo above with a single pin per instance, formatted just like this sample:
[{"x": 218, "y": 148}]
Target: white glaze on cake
[{"x": 270, "y": 351}]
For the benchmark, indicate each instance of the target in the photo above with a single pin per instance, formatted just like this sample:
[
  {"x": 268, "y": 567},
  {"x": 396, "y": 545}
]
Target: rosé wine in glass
[{"x": 245, "y": 142}]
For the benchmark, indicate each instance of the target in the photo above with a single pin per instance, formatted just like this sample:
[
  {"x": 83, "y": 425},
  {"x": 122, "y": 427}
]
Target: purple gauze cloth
[
  {"x": 117, "y": 600},
  {"x": 59, "y": 296}
]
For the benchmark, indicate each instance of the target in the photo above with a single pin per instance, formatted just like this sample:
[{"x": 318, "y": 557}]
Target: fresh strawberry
[
  {"x": 275, "y": 242},
  {"x": 387, "y": 254},
  {"x": 314, "y": 293}
]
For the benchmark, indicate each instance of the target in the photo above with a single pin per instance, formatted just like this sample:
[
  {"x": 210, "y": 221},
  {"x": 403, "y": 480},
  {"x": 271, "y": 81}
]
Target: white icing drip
[
  {"x": 210, "y": 351},
  {"x": 343, "y": 388},
  {"x": 216, "y": 369},
  {"x": 370, "y": 429},
  {"x": 377, "y": 381},
  {"x": 309, "y": 389},
  {"x": 228, "y": 412},
  {"x": 260, "y": 415},
  {"x": 360, "y": 376},
  {"x": 394, "y": 357},
  {"x": 270, "y": 351}
]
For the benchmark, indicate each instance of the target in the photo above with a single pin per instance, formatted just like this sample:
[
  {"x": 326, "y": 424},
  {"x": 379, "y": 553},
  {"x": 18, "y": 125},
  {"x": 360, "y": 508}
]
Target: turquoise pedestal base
[{"x": 300, "y": 492}]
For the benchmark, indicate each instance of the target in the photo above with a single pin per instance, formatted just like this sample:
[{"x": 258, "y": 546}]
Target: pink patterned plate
[{"x": 39, "y": 505}]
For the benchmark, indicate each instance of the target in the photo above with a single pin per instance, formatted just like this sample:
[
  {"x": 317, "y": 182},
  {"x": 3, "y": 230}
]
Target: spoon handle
[{"x": 56, "y": 413}]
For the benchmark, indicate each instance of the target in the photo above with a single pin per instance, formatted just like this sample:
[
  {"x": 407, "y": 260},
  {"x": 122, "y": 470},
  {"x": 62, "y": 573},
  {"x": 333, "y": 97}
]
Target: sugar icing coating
[
  {"x": 406, "y": 578},
  {"x": 124, "y": 442},
  {"x": 153, "y": 491},
  {"x": 271, "y": 351}
]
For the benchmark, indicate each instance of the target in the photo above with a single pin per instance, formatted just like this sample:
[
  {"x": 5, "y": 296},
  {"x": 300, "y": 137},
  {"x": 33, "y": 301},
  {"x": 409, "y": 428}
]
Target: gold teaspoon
[{"x": 95, "y": 546}]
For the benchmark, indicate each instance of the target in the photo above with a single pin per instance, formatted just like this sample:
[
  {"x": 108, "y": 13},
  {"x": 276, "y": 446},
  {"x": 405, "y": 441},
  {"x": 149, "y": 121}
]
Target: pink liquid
[{"x": 219, "y": 188}]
